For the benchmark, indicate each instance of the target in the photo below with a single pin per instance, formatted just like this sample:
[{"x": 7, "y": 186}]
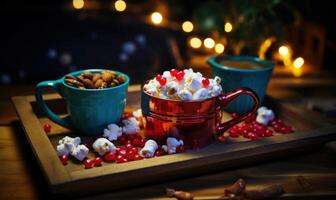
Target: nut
[
  {"x": 98, "y": 83},
  {"x": 121, "y": 79},
  {"x": 88, "y": 83},
  {"x": 88, "y": 75},
  {"x": 96, "y": 77},
  {"x": 107, "y": 76}
]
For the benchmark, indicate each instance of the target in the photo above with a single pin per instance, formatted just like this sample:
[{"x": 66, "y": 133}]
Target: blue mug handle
[{"x": 55, "y": 85}]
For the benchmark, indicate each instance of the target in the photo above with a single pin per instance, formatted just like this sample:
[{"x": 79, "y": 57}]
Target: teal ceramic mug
[
  {"x": 248, "y": 71},
  {"x": 90, "y": 110}
]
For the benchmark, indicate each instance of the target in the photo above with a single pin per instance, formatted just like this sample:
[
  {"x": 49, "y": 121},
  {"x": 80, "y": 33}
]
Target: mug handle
[
  {"x": 227, "y": 98},
  {"x": 55, "y": 85}
]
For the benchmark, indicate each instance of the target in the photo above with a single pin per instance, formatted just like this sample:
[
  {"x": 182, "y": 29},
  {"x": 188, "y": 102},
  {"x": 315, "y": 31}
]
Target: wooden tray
[{"x": 73, "y": 179}]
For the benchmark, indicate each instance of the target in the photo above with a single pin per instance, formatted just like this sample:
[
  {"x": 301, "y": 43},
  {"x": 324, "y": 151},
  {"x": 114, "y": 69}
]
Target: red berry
[
  {"x": 97, "y": 162},
  {"x": 158, "y": 77},
  {"x": 121, "y": 159},
  {"x": 88, "y": 163},
  {"x": 137, "y": 157},
  {"x": 109, "y": 157},
  {"x": 179, "y": 76},
  {"x": 253, "y": 136},
  {"x": 64, "y": 159},
  {"x": 268, "y": 133},
  {"x": 205, "y": 82},
  {"x": 47, "y": 128},
  {"x": 180, "y": 149},
  {"x": 161, "y": 80},
  {"x": 221, "y": 138},
  {"x": 173, "y": 72},
  {"x": 122, "y": 152}
]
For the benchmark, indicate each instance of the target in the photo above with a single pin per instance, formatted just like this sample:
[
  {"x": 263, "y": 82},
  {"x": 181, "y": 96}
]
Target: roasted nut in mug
[
  {"x": 107, "y": 76},
  {"x": 121, "y": 78},
  {"x": 88, "y": 74},
  {"x": 98, "y": 83},
  {"x": 88, "y": 84},
  {"x": 96, "y": 77}
]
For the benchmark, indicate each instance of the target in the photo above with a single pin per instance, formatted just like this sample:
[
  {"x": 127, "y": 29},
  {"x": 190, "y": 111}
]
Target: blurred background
[{"x": 43, "y": 40}]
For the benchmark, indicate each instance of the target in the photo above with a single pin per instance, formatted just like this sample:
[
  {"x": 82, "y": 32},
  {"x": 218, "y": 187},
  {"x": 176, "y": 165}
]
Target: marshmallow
[
  {"x": 264, "y": 115},
  {"x": 112, "y": 132},
  {"x": 215, "y": 91},
  {"x": 193, "y": 83},
  {"x": 102, "y": 146},
  {"x": 152, "y": 87},
  {"x": 185, "y": 95},
  {"x": 69, "y": 142},
  {"x": 149, "y": 149},
  {"x": 80, "y": 152},
  {"x": 137, "y": 114},
  {"x": 131, "y": 126},
  {"x": 200, "y": 94},
  {"x": 172, "y": 143}
]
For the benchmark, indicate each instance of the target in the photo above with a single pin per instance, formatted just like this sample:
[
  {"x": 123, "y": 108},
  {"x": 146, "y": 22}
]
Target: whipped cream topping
[{"x": 183, "y": 85}]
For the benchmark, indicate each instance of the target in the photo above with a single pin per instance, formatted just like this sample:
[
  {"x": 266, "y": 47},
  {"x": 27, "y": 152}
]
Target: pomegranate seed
[
  {"x": 109, "y": 157},
  {"x": 253, "y": 136},
  {"x": 137, "y": 157},
  {"x": 122, "y": 152},
  {"x": 291, "y": 129},
  {"x": 205, "y": 82},
  {"x": 244, "y": 132},
  {"x": 173, "y": 72},
  {"x": 157, "y": 153},
  {"x": 221, "y": 138},
  {"x": 88, "y": 163},
  {"x": 179, "y": 76},
  {"x": 234, "y": 115},
  {"x": 47, "y": 128},
  {"x": 138, "y": 142},
  {"x": 130, "y": 154},
  {"x": 88, "y": 145},
  {"x": 97, "y": 162},
  {"x": 268, "y": 133},
  {"x": 128, "y": 145},
  {"x": 121, "y": 159},
  {"x": 64, "y": 159},
  {"x": 180, "y": 149},
  {"x": 122, "y": 140}
]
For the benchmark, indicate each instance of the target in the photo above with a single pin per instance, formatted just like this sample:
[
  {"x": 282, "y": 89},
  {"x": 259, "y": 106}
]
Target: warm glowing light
[
  {"x": 298, "y": 62},
  {"x": 156, "y": 18},
  {"x": 228, "y": 27},
  {"x": 209, "y": 43},
  {"x": 187, "y": 26},
  {"x": 120, "y": 5},
  {"x": 265, "y": 46},
  {"x": 219, "y": 48},
  {"x": 78, "y": 4},
  {"x": 283, "y": 51},
  {"x": 195, "y": 43}
]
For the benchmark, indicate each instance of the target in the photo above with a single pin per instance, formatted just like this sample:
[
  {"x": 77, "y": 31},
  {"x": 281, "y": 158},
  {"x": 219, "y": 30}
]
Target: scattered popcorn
[
  {"x": 112, "y": 132},
  {"x": 103, "y": 146},
  {"x": 264, "y": 115},
  {"x": 149, "y": 149},
  {"x": 66, "y": 145},
  {"x": 80, "y": 152},
  {"x": 172, "y": 144},
  {"x": 131, "y": 126},
  {"x": 183, "y": 85},
  {"x": 137, "y": 114}
]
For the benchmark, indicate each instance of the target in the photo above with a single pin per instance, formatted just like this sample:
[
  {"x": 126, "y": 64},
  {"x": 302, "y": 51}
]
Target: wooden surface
[{"x": 21, "y": 177}]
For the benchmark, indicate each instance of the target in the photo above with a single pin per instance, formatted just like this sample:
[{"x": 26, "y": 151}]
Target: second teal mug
[
  {"x": 90, "y": 110},
  {"x": 234, "y": 77}
]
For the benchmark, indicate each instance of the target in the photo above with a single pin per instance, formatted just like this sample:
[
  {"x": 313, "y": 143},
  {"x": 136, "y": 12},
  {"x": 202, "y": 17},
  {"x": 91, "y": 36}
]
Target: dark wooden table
[{"x": 21, "y": 176}]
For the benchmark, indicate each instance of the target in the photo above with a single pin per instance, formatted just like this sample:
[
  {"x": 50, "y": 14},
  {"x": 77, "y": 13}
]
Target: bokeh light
[
  {"x": 78, "y": 4},
  {"x": 219, "y": 48},
  {"x": 187, "y": 26},
  {"x": 209, "y": 43},
  {"x": 195, "y": 43},
  {"x": 228, "y": 27},
  {"x": 298, "y": 62},
  {"x": 120, "y": 5},
  {"x": 156, "y": 17},
  {"x": 283, "y": 50}
]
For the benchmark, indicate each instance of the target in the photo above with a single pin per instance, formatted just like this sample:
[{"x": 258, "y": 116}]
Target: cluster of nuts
[{"x": 89, "y": 80}]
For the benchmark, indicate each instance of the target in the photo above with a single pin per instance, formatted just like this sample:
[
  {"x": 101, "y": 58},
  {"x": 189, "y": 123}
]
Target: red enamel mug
[{"x": 197, "y": 123}]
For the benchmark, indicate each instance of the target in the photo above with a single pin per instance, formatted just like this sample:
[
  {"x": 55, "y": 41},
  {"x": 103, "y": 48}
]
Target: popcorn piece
[
  {"x": 80, "y": 152},
  {"x": 193, "y": 83},
  {"x": 217, "y": 80},
  {"x": 167, "y": 75},
  {"x": 215, "y": 91},
  {"x": 69, "y": 143},
  {"x": 200, "y": 94},
  {"x": 137, "y": 114},
  {"x": 131, "y": 126},
  {"x": 185, "y": 95},
  {"x": 149, "y": 149},
  {"x": 152, "y": 87},
  {"x": 172, "y": 143},
  {"x": 102, "y": 146},
  {"x": 172, "y": 89},
  {"x": 264, "y": 115},
  {"x": 62, "y": 150},
  {"x": 112, "y": 132}
]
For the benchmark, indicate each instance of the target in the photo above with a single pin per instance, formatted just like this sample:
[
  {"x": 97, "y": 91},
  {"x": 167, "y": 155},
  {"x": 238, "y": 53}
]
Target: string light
[
  {"x": 78, "y": 4},
  {"x": 120, "y": 5},
  {"x": 187, "y": 26},
  {"x": 195, "y": 43},
  {"x": 284, "y": 51},
  {"x": 298, "y": 62},
  {"x": 209, "y": 43},
  {"x": 228, "y": 27},
  {"x": 219, "y": 48},
  {"x": 156, "y": 17},
  {"x": 265, "y": 46}
]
